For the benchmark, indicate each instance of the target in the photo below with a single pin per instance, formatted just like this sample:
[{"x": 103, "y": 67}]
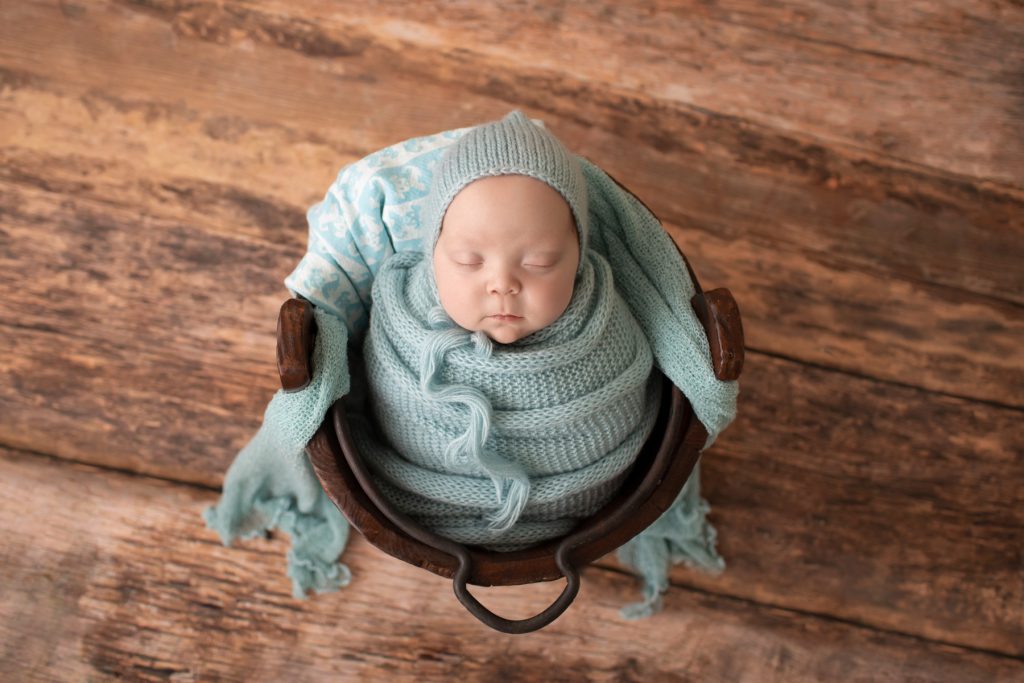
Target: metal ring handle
[{"x": 530, "y": 624}]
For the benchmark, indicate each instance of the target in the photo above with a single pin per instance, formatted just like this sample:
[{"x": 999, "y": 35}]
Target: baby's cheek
[{"x": 458, "y": 302}]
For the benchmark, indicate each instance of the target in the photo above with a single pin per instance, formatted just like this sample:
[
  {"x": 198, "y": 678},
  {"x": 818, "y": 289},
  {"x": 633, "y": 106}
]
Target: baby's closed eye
[
  {"x": 542, "y": 260},
  {"x": 467, "y": 259}
]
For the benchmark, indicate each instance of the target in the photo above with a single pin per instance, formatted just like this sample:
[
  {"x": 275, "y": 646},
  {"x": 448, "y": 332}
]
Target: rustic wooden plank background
[{"x": 854, "y": 173}]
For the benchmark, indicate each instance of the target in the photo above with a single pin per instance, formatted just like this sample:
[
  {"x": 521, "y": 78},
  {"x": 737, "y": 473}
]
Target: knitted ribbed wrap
[{"x": 500, "y": 445}]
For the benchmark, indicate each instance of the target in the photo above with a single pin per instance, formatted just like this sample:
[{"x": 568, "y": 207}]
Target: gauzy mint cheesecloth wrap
[{"x": 372, "y": 211}]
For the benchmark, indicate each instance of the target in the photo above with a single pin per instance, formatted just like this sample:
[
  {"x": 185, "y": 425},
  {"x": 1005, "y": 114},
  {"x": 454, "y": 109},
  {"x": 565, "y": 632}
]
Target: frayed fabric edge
[
  {"x": 317, "y": 539},
  {"x": 681, "y": 535}
]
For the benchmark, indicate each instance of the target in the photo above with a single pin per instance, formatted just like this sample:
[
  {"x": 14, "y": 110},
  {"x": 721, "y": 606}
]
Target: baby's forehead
[{"x": 491, "y": 238}]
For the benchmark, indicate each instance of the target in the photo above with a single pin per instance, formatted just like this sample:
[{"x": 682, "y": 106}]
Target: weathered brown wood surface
[
  {"x": 137, "y": 591},
  {"x": 854, "y": 176}
]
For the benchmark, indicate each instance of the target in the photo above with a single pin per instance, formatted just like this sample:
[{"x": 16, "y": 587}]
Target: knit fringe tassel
[
  {"x": 511, "y": 483},
  {"x": 681, "y": 534}
]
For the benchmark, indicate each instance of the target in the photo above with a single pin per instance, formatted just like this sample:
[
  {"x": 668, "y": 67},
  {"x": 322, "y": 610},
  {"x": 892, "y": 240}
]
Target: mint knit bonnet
[{"x": 513, "y": 145}]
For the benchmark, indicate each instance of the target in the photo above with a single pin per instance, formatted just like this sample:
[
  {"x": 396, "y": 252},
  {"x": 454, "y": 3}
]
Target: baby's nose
[{"x": 504, "y": 283}]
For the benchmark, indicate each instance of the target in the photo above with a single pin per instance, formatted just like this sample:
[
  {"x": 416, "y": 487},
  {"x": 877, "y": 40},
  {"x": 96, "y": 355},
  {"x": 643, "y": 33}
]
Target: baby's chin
[{"x": 505, "y": 334}]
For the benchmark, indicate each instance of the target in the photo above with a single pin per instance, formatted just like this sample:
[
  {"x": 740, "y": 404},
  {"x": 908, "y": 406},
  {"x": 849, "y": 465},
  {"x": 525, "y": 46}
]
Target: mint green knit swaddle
[{"x": 499, "y": 445}]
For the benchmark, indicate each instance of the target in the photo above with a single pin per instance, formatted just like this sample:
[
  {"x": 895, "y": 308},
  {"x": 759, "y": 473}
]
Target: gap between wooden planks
[{"x": 108, "y": 575}]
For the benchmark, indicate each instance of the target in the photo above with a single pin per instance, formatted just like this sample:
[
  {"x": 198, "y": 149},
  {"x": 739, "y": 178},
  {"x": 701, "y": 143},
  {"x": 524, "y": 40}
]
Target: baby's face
[{"x": 506, "y": 259}]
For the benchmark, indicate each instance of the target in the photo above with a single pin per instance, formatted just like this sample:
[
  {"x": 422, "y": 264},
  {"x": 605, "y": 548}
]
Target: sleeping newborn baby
[{"x": 511, "y": 387}]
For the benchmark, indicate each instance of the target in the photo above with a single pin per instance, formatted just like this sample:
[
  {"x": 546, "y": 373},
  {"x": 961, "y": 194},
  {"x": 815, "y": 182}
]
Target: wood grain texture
[
  {"x": 878, "y": 511},
  {"x": 126, "y": 586},
  {"x": 793, "y": 66},
  {"x": 723, "y": 175},
  {"x": 852, "y": 176}
]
